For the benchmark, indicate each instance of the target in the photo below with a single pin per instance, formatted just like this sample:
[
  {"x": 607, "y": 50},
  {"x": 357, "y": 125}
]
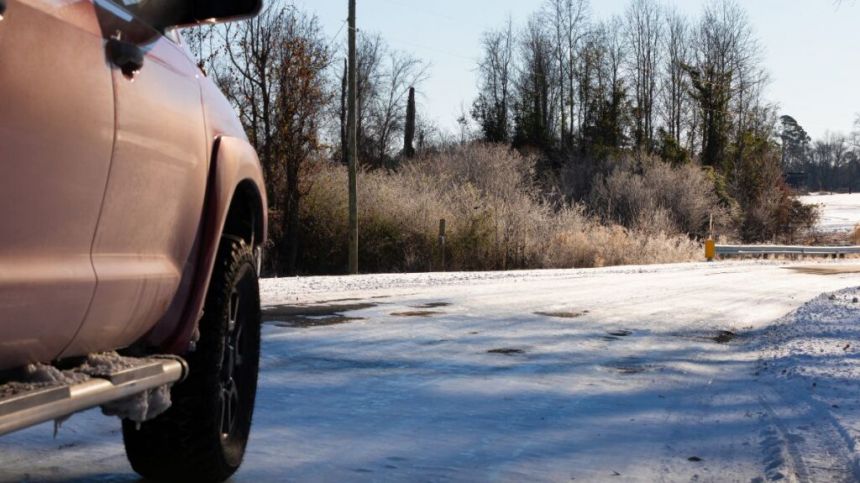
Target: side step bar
[{"x": 36, "y": 406}]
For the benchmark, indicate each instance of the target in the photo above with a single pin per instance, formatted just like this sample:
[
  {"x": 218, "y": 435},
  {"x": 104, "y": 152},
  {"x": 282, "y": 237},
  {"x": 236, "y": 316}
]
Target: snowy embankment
[
  {"x": 839, "y": 212},
  {"x": 714, "y": 372},
  {"x": 812, "y": 359}
]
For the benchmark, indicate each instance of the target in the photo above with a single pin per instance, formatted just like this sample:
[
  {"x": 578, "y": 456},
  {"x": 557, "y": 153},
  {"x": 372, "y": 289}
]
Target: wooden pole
[
  {"x": 442, "y": 241},
  {"x": 352, "y": 145}
]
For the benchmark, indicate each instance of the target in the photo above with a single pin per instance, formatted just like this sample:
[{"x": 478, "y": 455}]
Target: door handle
[{"x": 125, "y": 55}]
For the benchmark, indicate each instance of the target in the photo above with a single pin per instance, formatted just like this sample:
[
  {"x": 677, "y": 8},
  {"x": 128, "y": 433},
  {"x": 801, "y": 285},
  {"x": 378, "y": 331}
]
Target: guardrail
[{"x": 712, "y": 250}]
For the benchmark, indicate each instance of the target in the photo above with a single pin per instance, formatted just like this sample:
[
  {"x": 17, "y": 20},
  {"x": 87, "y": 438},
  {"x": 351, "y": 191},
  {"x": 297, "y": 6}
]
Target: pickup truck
[{"x": 133, "y": 214}]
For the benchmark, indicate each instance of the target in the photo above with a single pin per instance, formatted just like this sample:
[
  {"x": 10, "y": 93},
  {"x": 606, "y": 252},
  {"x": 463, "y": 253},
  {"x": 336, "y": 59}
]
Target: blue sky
[{"x": 811, "y": 48}]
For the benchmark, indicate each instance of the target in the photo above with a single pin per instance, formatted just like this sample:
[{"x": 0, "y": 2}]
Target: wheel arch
[
  {"x": 245, "y": 216},
  {"x": 235, "y": 206}
]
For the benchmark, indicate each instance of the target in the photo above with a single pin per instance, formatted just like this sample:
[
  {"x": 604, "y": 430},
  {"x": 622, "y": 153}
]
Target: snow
[
  {"x": 839, "y": 212},
  {"x": 39, "y": 376},
  {"x": 141, "y": 407},
  {"x": 813, "y": 357},
  {"x": 592, "y": 375}
]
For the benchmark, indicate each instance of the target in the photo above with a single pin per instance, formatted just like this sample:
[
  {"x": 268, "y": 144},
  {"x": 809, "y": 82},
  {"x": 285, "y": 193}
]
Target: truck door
[
  {"x": 56, "y": 136},
  {"x": 143, "y": 246}
]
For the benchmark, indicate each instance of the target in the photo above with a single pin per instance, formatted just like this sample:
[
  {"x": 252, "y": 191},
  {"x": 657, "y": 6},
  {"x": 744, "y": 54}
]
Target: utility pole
[{"x": 352, "y": 145}]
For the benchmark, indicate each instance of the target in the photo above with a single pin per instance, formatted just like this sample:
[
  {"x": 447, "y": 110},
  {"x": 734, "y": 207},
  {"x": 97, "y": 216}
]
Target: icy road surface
[{"x": 725, "y": 372}]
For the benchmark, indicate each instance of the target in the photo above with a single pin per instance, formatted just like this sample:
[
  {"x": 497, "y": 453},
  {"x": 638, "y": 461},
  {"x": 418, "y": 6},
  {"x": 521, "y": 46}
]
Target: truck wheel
[{"x": 202, "y": 436}]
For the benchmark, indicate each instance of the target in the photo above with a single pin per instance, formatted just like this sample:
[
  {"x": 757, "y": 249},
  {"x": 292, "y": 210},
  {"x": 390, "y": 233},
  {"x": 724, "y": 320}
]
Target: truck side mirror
[
  {"x": 163, "y": 14},
  {"x": 218, "y": 11}
]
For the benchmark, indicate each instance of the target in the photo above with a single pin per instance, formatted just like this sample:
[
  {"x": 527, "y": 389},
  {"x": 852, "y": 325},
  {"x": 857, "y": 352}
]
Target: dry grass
[{"x": 494, "y": 222}]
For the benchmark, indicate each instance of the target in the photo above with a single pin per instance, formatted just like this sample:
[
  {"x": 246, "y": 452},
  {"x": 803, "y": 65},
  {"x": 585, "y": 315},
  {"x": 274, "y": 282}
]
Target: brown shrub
[
  {"x": 494, "y": 221},
  {"x": 652, "y": 196}
]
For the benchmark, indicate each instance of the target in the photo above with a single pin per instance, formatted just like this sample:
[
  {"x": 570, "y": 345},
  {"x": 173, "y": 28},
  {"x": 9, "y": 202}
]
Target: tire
[{"x": 202, "y": 437}]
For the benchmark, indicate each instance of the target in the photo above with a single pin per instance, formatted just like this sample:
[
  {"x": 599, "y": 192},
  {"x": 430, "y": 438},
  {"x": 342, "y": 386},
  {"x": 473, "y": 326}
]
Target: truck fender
[{"x": 235, "y": 187}]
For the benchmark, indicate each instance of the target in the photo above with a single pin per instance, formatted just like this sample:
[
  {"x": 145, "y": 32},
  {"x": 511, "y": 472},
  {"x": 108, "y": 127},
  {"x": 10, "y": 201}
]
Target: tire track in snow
[
  {"x": 781, "y": 456},
  {"x": 822, "y": 452}
]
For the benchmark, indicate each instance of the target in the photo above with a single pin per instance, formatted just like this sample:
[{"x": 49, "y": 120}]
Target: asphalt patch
[
  {"x": 629, "y": 369},
  {"x": 620, "y": 333},
  {"x": 278, "y": 313},
  {"x": 416, "y": 313},
  {"x": 563, "y": 314},
  {"x": 307, "y": 316},
  {"x": 351, "y": 299},
  {"x": 724, "y": 337},
  {"x": 435, "y": 342},
  {"x": 432, "y": 305},
  {"x": 303, "y": 322},
  {"x": 826, "y": 269},
  {"x": 629, "y": 366},
  {"x": 507, "y": 351}
]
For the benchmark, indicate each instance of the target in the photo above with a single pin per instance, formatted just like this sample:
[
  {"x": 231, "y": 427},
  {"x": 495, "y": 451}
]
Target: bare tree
[
  {"x": 245, "y": 75},
  {"x": 203, "y": 44},
  {"x": 855, "y": 133},
  {"x": 751, "y": 113},
  {"x": 567, "y": 19},
  {"x": 492, "y": 107},
  {"x": 675, "y": 85},
  {"x": 603, "y": 86},
  {"x": 371, "y": 50},
  {"x": 536, "y": 93},
  {"x": 589, "y": 57},
  {"x": 274, "y": 70},
  {"x": 644, "y": 31},
  {"x": 303, "y": 92},
  {"x": 727, "y": 80},
  {"x": 403, "y": 72},
  {"x": 384, "y": 79}
]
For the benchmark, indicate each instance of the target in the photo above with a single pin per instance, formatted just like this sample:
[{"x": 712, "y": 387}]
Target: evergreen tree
[
  {"x": 409, "y": 129},
  {"x": 795, "y": 144}
]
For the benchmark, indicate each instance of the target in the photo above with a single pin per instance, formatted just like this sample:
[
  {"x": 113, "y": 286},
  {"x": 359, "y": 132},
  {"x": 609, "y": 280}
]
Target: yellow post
[{"x": 710, "y": 249}]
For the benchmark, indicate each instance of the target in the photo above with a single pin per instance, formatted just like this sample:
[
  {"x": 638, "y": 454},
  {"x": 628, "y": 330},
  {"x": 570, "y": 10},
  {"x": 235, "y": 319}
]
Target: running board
[{"x": 34, "y": 406}]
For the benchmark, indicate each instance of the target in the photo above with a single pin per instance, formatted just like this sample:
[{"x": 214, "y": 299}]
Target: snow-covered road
[{"x": 663, "y": 373}]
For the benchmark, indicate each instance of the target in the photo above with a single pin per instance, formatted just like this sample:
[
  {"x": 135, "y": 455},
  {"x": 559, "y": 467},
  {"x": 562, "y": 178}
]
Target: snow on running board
[{"x": 132, "y": 388}]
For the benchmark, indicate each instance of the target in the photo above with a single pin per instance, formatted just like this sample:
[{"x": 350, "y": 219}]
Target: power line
[
  {"x": 413, "y": 8},
  {"x": 337, "y": 35},
  {"x": 427, "y": 47}
]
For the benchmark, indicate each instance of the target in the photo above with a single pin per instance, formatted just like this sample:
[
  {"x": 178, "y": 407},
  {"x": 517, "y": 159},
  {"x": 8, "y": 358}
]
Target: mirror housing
[
  {"x": 164, "y": 14},
  {"x": 217, "y": 11}
]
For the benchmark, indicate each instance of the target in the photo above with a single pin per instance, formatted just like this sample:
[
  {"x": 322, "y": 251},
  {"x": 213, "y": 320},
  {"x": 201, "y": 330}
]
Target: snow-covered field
[
  {"x": 839, "y": 212},
  {"x": 737, "y": 371}
]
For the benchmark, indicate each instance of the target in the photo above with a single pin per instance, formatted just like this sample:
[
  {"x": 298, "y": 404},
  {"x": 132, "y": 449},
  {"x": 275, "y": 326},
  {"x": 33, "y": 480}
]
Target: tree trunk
[{"x": 291, "y": 213}]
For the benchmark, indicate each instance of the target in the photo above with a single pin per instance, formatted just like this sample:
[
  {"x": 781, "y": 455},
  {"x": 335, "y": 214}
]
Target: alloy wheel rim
[{"x": 231, "y": 365}]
